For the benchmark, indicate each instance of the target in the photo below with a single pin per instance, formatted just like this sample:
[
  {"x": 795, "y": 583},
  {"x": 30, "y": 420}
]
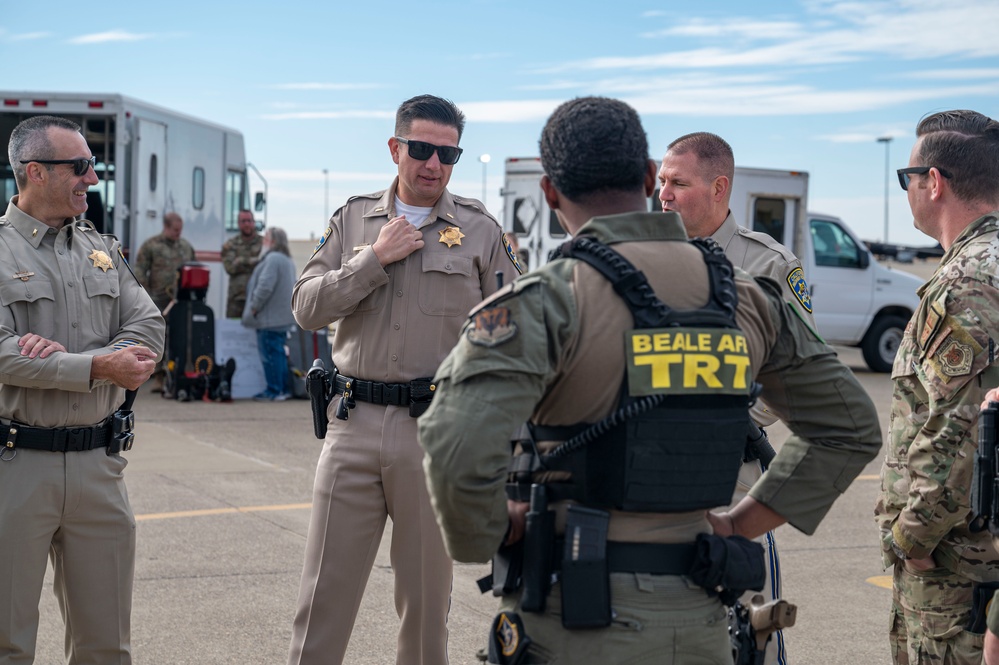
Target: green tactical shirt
[{"x": 549, "y": 348}]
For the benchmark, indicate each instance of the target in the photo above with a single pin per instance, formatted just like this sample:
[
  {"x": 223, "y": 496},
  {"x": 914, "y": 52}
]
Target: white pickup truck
[{"x": 856, "y": 300}]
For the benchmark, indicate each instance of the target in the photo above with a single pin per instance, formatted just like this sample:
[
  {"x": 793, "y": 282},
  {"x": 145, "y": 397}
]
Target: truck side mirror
[
  {"x": 259, "y": 201},
  {"x": 864, "y": 258}
]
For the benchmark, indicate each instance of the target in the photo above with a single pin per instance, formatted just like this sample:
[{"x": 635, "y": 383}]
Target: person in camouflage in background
[
  {"x": 240, "y": 254},
  {"x": 944, "y": 364},
  {"x": 159, "y": 258}
]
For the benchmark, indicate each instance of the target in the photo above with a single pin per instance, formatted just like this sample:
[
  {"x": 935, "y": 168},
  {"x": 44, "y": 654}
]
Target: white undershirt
[{"x": 415, "y": 215}]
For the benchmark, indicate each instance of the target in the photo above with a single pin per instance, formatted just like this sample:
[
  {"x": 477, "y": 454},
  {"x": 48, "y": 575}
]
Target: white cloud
[
  {"x": 110, "y": 36},
  {"x": 731, "y": 28},
  {"x": 953, "y": 74},
  {"x": 30, "y": 36},
  {"x": 919, "y": 30},
  {"x": 786, "y": 100}
]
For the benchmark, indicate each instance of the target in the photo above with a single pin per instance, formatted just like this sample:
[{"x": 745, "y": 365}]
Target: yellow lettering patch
[{"x": 687, "y": 360}]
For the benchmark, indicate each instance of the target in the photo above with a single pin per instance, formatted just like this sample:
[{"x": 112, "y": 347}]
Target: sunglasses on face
[
  {"x": 80, "y": 166},
  {"x": 904, "y": 175},
  {"x": 423, "y": 151}
]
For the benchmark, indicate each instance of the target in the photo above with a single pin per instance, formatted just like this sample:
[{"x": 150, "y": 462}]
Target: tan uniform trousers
[
  {"x": 72, "y": 506},
  {"x": 371, "y": 467},
  {"x": 662, "y": 619}
]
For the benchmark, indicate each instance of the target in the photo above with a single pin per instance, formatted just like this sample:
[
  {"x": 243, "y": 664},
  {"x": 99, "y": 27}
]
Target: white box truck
[
  {"x": 856, "y": 300},
  {"x": 150, "y": 161}
]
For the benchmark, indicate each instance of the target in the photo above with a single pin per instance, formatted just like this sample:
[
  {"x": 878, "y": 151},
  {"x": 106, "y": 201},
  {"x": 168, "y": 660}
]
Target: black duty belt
[
  {"x": 396, "y": 394},
  {"x": 651, "y": 558},
  {"x": 58, "y": 440}
]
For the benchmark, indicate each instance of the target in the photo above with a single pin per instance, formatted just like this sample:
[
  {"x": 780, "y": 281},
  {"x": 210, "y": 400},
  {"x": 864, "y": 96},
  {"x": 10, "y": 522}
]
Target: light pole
[
  {"x": 887, "y": 141},
  {"x": 326, "y": 209},
  {"x": 485, "y": 160}
]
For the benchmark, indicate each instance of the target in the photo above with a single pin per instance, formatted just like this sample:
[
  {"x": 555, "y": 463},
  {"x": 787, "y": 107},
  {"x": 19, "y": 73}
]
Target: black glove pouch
[{"x": 728, "y": 567}]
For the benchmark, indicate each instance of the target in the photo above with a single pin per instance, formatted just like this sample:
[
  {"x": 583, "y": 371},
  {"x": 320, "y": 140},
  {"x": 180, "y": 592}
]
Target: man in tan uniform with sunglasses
[
  {"x": 398, "y": 270},
  {"x": 75, "y": 330}
]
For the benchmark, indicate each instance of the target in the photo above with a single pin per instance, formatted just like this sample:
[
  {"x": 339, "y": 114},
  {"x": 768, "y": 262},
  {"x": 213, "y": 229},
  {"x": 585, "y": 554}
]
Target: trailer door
[{"x": 148, "y": 180}]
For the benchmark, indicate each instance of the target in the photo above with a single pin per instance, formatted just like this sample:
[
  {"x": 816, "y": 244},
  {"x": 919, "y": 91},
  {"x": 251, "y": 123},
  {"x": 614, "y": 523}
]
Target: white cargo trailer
[{"x": 150, "y": 161}]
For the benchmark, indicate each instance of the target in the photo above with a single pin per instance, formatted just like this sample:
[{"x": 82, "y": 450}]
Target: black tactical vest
[{"x": 677, "y": 440}]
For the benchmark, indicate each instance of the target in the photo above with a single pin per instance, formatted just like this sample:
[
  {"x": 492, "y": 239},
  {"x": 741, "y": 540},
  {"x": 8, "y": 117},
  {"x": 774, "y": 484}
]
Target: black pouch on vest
[
  {"x": 507, "y": 565},
  {"x": 728, "y": 567},
  {"x": 508, "y": 641},
  {"x": 421, "y": 391},
  {"x": 585, "y": 579}
]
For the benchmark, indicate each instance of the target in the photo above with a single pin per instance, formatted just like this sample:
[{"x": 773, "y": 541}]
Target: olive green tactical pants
[
  {"x": 928, "y": 614},
  {"x": 662, "y": 619}
]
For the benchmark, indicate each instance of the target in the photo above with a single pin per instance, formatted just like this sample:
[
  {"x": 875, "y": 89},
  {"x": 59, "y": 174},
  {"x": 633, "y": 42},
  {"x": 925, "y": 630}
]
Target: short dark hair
[
  {"x": 714, "y": 154},
  {"x": 966, "y": 145},
  {"x": 30, "y": 140},
  {"x": 428, "y": 107},
  {"x": 594, "y": 144}
]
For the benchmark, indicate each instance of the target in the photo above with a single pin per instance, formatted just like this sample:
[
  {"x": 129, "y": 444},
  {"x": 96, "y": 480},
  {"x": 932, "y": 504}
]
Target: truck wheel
[{"x": 881, "y": 342}]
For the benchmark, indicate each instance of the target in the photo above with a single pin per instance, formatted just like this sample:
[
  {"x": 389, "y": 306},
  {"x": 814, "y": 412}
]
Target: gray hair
[
  {"x": 279, "y": 240},
  {"x": 30, "y": 141}
]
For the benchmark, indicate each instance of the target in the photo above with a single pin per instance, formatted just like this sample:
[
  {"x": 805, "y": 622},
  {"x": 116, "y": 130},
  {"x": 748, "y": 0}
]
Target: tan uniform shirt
[
  {"x": 550, "y": 349},
  {"x": 397, "y": 323},
  {"x": 65, "y": 285},
  {"x": 762, "y": 256}
]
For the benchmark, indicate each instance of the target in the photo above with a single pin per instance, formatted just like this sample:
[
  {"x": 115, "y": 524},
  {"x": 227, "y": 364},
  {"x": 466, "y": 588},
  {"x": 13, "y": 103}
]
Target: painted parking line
[
  {"x": 220, "y": 511},
  {"x": 883, "y": 581}
]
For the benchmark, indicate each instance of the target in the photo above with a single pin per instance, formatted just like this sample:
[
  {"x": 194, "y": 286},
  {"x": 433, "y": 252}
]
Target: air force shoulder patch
[
  {"x": 491, "y": 326},
  {"x": 796, "y": 280}
]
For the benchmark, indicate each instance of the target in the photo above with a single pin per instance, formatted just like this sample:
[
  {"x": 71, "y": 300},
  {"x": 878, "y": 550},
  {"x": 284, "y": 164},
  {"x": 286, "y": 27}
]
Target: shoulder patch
[
  {"x": 322, "y": 241},
  {"x": 512, "y": 254},
  {"x": 491, "y": 326},
  {"x": 954, "y": 351},
  {"x": 796, "y": 280}
]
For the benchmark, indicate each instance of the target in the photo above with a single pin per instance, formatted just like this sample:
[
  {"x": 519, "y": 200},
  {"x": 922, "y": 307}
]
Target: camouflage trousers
[{"x": 928, "y": 614}]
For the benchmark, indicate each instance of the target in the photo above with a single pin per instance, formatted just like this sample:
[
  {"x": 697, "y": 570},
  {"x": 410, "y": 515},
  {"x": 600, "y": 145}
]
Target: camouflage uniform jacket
[
  {"x": 156, "y": 266},
  {"x": 239, "y": 257},
  {"x": 549, "y": 348},
  {"x": 944, "y": 366}
]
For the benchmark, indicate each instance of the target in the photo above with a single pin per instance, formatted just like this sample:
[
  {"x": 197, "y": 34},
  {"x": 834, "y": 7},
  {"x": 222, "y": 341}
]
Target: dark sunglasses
[
  {"x": 423, "y": 151},
  {"x": 904, "y": 174},
  {"x": 80, "y": 166}
]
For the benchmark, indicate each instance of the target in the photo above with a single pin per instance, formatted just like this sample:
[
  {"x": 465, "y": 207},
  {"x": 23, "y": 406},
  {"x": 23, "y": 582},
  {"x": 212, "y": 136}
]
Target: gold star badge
[
  {"x": 101, "y": 260},
  {"x": 451, "y": 236}
]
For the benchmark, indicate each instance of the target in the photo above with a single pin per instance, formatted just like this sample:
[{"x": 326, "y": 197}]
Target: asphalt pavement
[{"x": 221, "y": 494}]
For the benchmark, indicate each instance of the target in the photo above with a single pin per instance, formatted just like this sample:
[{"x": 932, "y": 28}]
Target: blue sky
[{"x": 807, "y": 85}]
